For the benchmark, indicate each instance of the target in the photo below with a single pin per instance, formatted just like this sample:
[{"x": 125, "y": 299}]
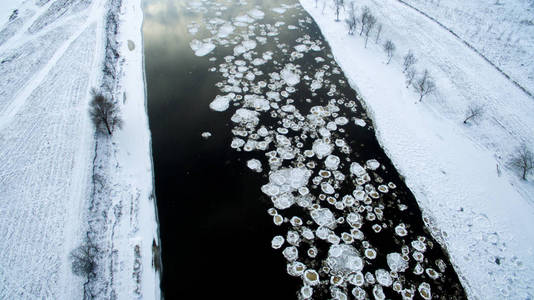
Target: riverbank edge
[
  {"x": 381, "y": 98},
  {"x": 135, "y": 144}
]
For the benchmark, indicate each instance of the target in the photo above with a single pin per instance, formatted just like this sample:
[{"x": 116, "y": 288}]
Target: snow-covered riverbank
[
  {"x": 484, "y": 217},
  {"x": 52, "y": 54}
]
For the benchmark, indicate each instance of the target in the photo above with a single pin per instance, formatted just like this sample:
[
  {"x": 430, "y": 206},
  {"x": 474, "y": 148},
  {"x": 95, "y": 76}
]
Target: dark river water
[{"x": 216, "y": 213}]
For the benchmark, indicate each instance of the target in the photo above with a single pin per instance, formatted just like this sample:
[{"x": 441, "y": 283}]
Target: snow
[
  {"x": 474, "y": 204},
  {"x": 52, "y": 55},
  {"x": 502, "y": 31}
]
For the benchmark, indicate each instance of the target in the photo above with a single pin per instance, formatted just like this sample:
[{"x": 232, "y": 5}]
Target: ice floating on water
[
  {"x": 291, "y": 253},
  {"x": 424, "y": 290},
  {"x": 306, "y": 292},
  {"x": 256, "y": 14},
  {"x": 254, "y": 165},
  {"x": 289, "y": 75},
  {"x": 225, "y": 30},
  {"x": 372, "y": 164},
  {"x": 396, "y": 263},
  {"x": 323, "y": 217},
  {"x": 344, "y": 259},
  {"x": 360, "y": 122},
  {"x": 321, "y": 148},
  {"x": 220, "y": 103},
  {"x": 206, "y": 135},
  {"x": 383, "y": 277},
  {"x": 277, "y": 242},
  {"x": 357, "y": 169},
  {"x": 279, "y": 10},
  {"x": 244, "y": 116},
  {"x": 201, "y": 48},
  {"x": 311, "y": 277},
  {"x": 419, "y": 246}
]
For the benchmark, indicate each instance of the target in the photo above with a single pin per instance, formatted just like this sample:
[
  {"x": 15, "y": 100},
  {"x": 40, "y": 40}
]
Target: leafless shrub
[
  {"x": 389, "y": 47},
  {"x": 425, "y": 85},
  {"x": 474, "y": 111},
  {"x": 523, "y": 161},
  {"x": 369, "y": 25},
  {"x": 104, "y": 113},
  {"x": 84, "y": 259},
  {"x": 409, "y": 61},
  {"x": 352, "y": 20},
  {"x": 410, "y": 76},
  {"x": 366, "y": 12},
  {"x": 378, "y": 32}
]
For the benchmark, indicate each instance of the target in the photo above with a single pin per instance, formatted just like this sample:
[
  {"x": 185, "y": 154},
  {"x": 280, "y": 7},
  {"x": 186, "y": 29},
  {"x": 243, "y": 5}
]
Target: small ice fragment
[
  {"x": 254, "y": 165},
  {"x": 206, "y": 135},
  {"x": 372, "y": 164},
  {"x": 357, "y": 169},
  {"x": 360, "y": 122},
  {"x": 321, "y": 148},
  {"x": 201, "y": 48},
  {"x": 277, "y": 242},
  {"x": 291, "y": 253},
  {"x": 289, "y": 75},
  {"x": 396, "y": 263},
  {"x": 424, "y": 290},
  {"x": 220, "y": 103},
  {"x": 323, "y": 217},
  {"x": 311, "y": 277},
  {"x": 383, "y": 277},
  {"x": 256, "y": 14}
]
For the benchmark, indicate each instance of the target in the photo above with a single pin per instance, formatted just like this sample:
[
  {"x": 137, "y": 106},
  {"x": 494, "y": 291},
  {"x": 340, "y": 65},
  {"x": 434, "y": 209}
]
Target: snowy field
[
  {"x": 459, "y": 173},
  {"x": 51, "y": 55},
  {"x": 503, "y": 31}
]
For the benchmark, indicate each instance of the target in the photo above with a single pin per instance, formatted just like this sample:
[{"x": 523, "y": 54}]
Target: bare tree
[
  {"x": 338, "y": 4},
  {"x": 84, "y": 264},
  {"x": 371, "y": 22},
  {"x": 410, "y": 75},
  {"x": 473, "y": 112},
  {"x": 389, "y": 47},
  {"x": 351, "y": 20},
  {"x": 104, "y": 113},
  {"x": 523, "y": 161},
  {"x": 425, "y": 85},
  {"x": 364, "y": 17},
  {"x": 84, "y": 259},
  {"x": 378, "y": 32},
  {"x": 409, "y": 61}
]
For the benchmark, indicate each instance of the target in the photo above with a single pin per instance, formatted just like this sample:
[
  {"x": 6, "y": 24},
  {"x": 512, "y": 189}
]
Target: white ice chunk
[
  {"x": 372, "y": 164},
  {"x": 225, "y": 30},
  {"x": 321, "y": 148},
  {"x": 254, "y": 165},
  {"x": 323, "y": 217},
  {"x": 332, "y": 162},
  {"x": 201, "y": 48},
  {"x": 220, "y": 103},
  {"x": 396, "y": 263},
  {"x": 344, "y": 259},
  {"x": 289, "y": 75},
  {"x": 256, "y": 14},
  {"x": 383, "y": 277},
  {"x": 357, "y": 169}
]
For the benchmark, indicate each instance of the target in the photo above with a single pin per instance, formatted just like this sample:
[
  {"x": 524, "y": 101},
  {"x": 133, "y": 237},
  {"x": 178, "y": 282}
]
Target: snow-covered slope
[
  {"x": 475, "y": 204},
  {"x": 51, "y": 55}
]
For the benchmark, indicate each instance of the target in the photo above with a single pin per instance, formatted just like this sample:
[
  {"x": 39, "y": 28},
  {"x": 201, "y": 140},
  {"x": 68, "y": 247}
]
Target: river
[{"x": 269, "y": 179}]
